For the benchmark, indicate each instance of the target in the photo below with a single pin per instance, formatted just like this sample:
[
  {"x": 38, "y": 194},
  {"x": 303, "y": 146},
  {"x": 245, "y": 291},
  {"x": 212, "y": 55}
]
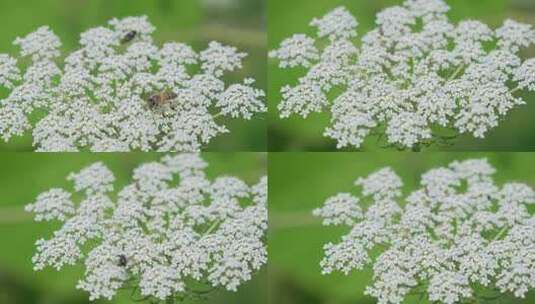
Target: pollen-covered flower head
[
  {"x": 415, "y": 71},
  {"x": 457, "y": 230},
  {"x": 166, "y": 234},
  {"x": 120, "y": 91}
]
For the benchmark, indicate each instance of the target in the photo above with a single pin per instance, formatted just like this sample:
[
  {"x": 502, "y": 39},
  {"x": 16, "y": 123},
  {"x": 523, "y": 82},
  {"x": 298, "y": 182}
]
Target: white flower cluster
[
  {"x": 414, "y": 73},
  {"x": 99, "y": 97},
  {"x": 457, "y": 231},
  {"x": 169, "y": 227}
]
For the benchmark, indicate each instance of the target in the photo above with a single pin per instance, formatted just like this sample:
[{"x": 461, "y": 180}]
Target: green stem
[
  {"x": 500, "y": 233},
  {"x": 456, "y": 73},
  {"x": 217, "y": 115},
  {"x": 211, "y": 228},
  {"x": 515, "y": 90}
]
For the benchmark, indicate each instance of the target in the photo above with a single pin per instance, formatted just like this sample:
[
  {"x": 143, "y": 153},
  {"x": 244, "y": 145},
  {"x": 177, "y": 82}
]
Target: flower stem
[
  {"x": 211, "y": 228},
  {"x": 500, "y": 233},
  {"x": 456, "y": 73},
  {"x": 218, "y": 115}
]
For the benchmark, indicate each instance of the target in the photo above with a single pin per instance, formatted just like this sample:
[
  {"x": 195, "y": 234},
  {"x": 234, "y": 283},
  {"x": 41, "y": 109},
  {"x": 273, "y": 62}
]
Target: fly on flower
[
  {"x": 160, "y": 99},
  {"x": 95, "y": 97},
  {"x": 167, "y": 232},
  {"x": 122, "y": 260},
  {"x": 129, "y": 37}
]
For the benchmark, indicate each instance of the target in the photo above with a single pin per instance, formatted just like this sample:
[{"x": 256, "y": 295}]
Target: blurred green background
[
  {"x": 25, "y": 175},
  {"x": 286, "y": 18},
  {"x": 300, "y": 182},
  {"x": 240, "y": 23}
]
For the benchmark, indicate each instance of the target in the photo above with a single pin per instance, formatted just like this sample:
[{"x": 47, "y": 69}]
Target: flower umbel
[
  {"x": 167, "y": 234},
  {"x": 413, "y": 80},
  {"x": 119, "y": 91},
  {"x": 457, "y": 231}
]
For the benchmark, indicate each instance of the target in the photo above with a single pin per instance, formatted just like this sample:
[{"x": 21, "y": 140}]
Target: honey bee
[
  {"x": 122, "y": 260},
  {"x": 129, "y": 37},
  {"x": 160, "y": 99}
]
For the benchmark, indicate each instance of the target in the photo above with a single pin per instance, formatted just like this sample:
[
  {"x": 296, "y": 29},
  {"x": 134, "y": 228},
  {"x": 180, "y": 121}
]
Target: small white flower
[
  {"x": 407, "y": 129},
  {"x": 422, "y": 8},
  {"x": 241, "y": 100},
  {"x": 395, "y": 21},
  {"x": 218, "y": 58},
  {"x": 40, "y": 45},
  {"x": 53, "y": 204},
  {"x": 340, "y": 209},
  {"x": 96, "y": 178},
  {"x": 298, "y": 50},
  {"x": 345, "y": 257},
  {"x": 384, "y": 183},
  {"x": 9, "y": 72},
  {"x": 514, "y": 35},
  {"x": 57, "y": 252},
  {"x": 302, "y": 99},
  {"x": 414, "y": 71},
  {"x": 161, "y": 281},
  {"x": 458, "y": 230},
  {"x": 177, "y": 53},
  {"x": 449, "y": 287},
  {"x": 525, "y": 75},
  {"x": 98, "y": 38},
  {"x": 169, "y": 226},
  {"x": 472, "y": 31},
  {"x": 339, "y": 23},
  {"x": 97, "y": 98}
]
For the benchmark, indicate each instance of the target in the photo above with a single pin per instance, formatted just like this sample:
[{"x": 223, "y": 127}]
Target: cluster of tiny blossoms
[
  {"x": 169, "y": 227},
  {"x": 97, "y": 98},
  {"x": 458, "y": 231},
  {"x": 414, "y": 73}
]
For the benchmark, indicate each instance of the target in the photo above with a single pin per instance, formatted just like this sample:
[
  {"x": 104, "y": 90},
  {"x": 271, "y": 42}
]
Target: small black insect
[
  {"x": 122, "y": 260},
  {"x": 129, "y": 37}
]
